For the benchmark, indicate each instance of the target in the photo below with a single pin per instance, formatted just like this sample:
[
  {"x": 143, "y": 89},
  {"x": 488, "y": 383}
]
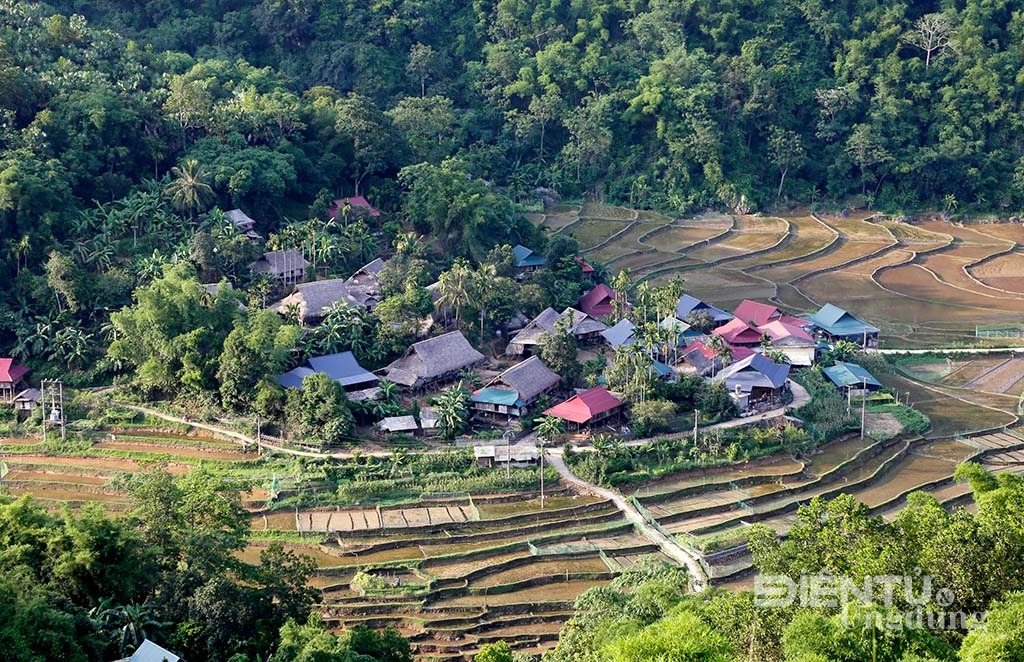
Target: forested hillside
[{"x": 666, "y": 103}]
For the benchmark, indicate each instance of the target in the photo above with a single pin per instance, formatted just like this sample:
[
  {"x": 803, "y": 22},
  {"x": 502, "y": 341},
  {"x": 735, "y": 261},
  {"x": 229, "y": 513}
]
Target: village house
[
  {"x": 398, "y": 425},
  {"x": 699, "y": 359},
  {"x": 514, "y": 391},
  {"x": 852, "y": 378},
  {"x": 589, "y": 273},
  {"x": 526, "y": 260},
  {"x": 150, "y": 652},
  {"x": 833, "y": 324},
  {"x": 599, "y": 302},
  {"x": 579, "y": 324},
  {"x": 243, "y": 224},
  {"x": 287, "y": 267},
  {"x": 738, "y": 333},
  {"x": 11, "y": 376},
  {"x": 688, "y": 304},
  {"x": 354, "y": 207},
  {"x": 493, "y": 457},
  {"x": 623, "y": 333},
  {"x": 28, "y": 400},
  {"x": 756, "y": 379},
  {"x": 312, "y": 300},
  {"x": 798, "y": 345},
  {"x": 434, "y": 360},
  {"x": 587, "y": 408},
  {"x": 341, "y": 367}
]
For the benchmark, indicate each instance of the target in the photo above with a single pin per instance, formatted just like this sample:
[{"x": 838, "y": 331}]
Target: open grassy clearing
[{"x": 589, "y": 232}]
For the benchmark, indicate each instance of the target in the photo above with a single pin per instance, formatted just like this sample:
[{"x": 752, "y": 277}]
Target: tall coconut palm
[
  {"x": 189, "y": 189},
  {"x": 455, "y": 286},
  {"x": 721, "y": 348}
]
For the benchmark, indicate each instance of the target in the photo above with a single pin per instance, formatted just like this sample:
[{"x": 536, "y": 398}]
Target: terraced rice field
[{"x": 924, "y": 283}]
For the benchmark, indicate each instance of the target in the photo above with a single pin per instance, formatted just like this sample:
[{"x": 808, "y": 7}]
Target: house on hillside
[
  {"x": 738, "y": 333},
  {"x": 589, "y": 273},
  {"x": 312, "y": 300},
  {"x": 599, "y": 302},
  {"x": 434, "y": 360},
  {"x": 493, "y": 457},
  {"x": 832, "y": 323},
  {"x": 364, "y": 284},
  {"x": 355, "y": 206},
  {"x": 150, "y": 652},
  {"x": 579, "y": 324},
  {"x": 287, "y": 267},
  {"x": 514, "y": 391},
  {"x": 623, "y": 333},
  {"x": 851, "y": 377},
  {"x": 798, "y": 345},
  {"x": 11, "y": 377},
  {"x": 587, "y": 408},
  {"x": 755, "y": 313},
  {"x": 699, "y": 359},
  {"x": 398, "y": 424},
  {"x": 526, "y": 260},
  {"x": 342, "y": 367},
  {"x": 688, "y": 304},
  {"x": 28, "y": 400},
  {"x": 293, "y": 378},
  {"x": 756, "y": 379},
  {"x": 243, "y": 224}
]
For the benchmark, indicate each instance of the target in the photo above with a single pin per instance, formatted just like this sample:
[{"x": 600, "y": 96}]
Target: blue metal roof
[
  {"x": 620, "y": 334},
  {"x": 850, "y": 374},
  {"x": 688, "y": 304},
  {"x": 756, "y": 370},
  {"x": 497, "y": 396},
  {"x": 526, "y": 258},
  {"x": 293, "y": 378},
  {"x": 342, "y": 368},
  {"x": 838, "y": 322}
]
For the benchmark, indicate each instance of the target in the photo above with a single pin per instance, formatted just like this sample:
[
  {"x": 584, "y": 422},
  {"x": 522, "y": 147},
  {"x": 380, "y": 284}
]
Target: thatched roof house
[
  {"x": 581, "y": 325},
  {"x": 513, "y": 391},
  {"x": 434, "y": 359},
  {"x": 287, "y": 266},
  {"x": 243, "y": 224}
]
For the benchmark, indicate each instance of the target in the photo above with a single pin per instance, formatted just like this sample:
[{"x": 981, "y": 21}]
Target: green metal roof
[
  {"x": 496, "y": 396},
  {"x": 850, "y": 374}
]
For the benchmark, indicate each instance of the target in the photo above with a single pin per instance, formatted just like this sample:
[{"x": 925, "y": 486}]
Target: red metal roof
[
  {"x": 356, "y": 201},
  {"x": 11, "y": 372},
  {"x": 755, "y": 313},
  {"x": 598, "y": 302},
  {"x": 778, "y": 329},
  {"x": 584, "y": 406},
  {"x": 738, "y": 331}
]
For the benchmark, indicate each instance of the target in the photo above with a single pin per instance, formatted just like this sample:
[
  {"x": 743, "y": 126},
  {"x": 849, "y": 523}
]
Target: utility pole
[
  {"x": 53, "y": 394},
  {"x": 508, "y": 455},
  {"x": 849, "y": 400},
  {"x": 696, "y": 415},
  {"x": 259, "y": 437},
  {"x": 863, "y": 404},
  {"x": 541, "y": 447}
]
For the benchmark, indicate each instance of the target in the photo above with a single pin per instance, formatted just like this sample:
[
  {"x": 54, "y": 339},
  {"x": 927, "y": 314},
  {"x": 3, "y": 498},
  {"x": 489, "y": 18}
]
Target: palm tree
[
  {"x": 721, "y": 348},
  {"x": 844, "y": 350},
  {"x": 455, "y": 287},
  {"x": 550, "y": 428},
  {"x": 189, "y": 190},
  {"x": 776, "y": 356},
  {"x": 128, "y": 625}
]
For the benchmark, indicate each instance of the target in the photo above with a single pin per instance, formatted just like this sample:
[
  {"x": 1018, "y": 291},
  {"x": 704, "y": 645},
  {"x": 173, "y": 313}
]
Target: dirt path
[
  {"x": 699, "y": 577},
  {"x": 246, "y": 439}
]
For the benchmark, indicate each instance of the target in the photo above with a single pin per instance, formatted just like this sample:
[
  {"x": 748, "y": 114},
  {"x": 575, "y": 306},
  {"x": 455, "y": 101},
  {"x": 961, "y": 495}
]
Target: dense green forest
[{"x": 127, "y": 127}]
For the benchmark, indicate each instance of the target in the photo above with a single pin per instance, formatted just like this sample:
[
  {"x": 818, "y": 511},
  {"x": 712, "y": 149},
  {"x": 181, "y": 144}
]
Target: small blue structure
[
  {"x": 341, "y": 367},
  {"x": 836, "y": 324},
  {"x": 851, "y": 376},
  {"x": 344, "y": 369},
  {"x": 688, "y": 304},
  {"x": 526, "y": 259}
]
